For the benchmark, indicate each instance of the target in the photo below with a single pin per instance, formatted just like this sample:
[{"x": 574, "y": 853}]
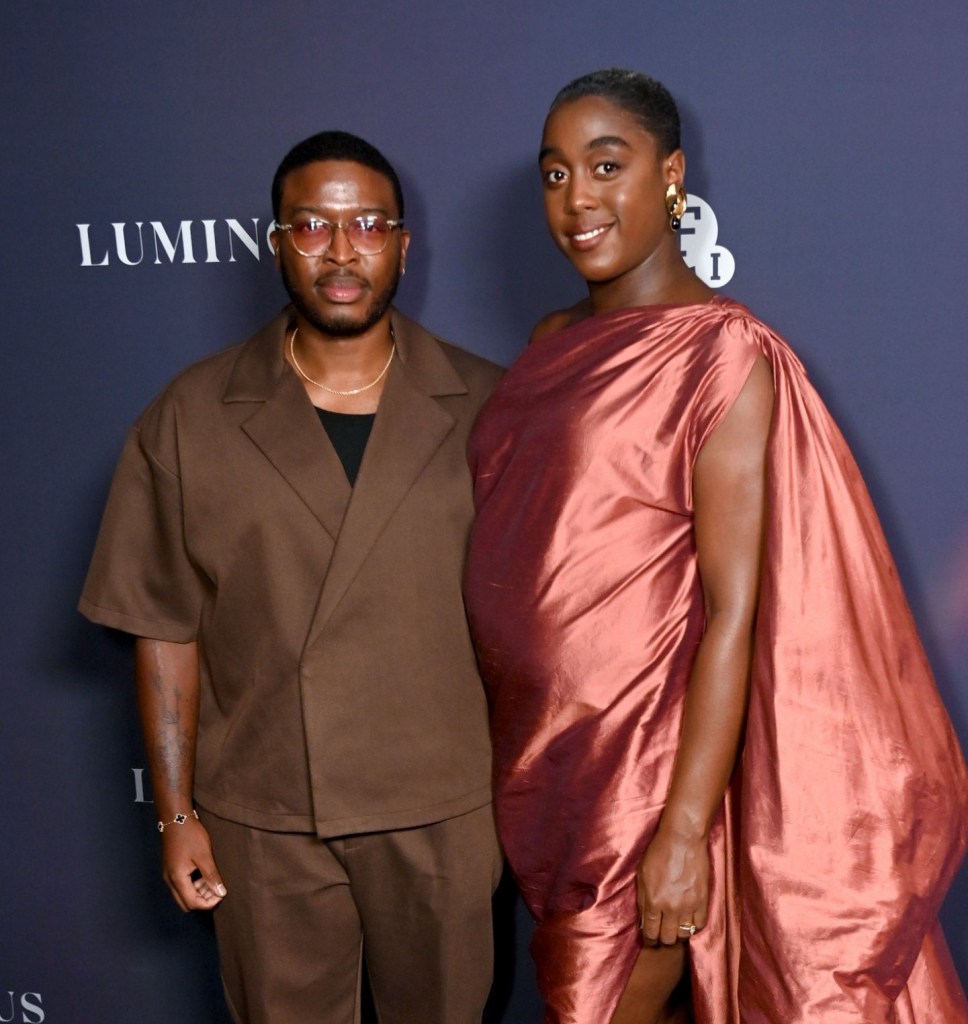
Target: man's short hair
[{"x": 334, "y": 145}]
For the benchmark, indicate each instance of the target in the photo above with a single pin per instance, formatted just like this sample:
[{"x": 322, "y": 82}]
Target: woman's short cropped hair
[{"x": 647, "y": 100}]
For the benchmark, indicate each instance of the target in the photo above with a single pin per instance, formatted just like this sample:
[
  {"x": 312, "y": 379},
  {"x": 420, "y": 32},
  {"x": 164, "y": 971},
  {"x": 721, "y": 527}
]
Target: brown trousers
[{"x": 302, "y": 913}]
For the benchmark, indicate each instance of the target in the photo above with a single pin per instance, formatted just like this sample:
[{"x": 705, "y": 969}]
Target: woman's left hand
[
  {"x": 729, "y": 492},
  {"x": 673, "y": 887}
]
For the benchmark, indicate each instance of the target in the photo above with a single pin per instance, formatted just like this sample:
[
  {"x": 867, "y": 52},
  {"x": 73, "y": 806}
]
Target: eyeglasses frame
[{"x": 342, "y": 225}]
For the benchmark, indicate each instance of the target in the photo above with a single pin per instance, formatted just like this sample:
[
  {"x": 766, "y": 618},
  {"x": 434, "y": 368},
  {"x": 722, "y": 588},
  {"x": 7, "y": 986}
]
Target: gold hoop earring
[{"x": 675, "y": 200}]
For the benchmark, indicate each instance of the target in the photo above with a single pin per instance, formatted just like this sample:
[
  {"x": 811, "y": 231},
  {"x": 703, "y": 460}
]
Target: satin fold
[{"x": 848, "y": 813}]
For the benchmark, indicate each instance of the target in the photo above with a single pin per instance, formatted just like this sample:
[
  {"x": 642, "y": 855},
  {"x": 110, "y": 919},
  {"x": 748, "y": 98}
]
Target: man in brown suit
[{"x": 285, "y": 536}]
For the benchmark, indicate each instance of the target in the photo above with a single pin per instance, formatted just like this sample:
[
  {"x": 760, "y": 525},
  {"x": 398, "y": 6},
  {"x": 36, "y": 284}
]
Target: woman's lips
[{"x": 588, "y": 237}]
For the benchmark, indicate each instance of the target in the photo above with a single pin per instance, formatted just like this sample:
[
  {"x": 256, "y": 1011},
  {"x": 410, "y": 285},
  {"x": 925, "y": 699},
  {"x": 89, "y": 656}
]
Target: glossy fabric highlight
[{"x": 846, "y": 818}]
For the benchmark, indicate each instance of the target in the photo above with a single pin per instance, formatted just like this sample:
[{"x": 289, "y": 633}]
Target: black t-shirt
[{"x": 349, "y": 432}]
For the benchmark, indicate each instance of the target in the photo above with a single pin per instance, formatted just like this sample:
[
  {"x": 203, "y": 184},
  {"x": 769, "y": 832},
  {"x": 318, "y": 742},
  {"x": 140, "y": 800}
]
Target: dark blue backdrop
[{"x": 829, "y": 138}]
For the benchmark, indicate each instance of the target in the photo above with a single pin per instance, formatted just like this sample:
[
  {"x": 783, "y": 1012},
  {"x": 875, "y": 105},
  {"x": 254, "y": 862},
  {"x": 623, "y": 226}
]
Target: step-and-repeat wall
[{"x": 826, "y": 151}]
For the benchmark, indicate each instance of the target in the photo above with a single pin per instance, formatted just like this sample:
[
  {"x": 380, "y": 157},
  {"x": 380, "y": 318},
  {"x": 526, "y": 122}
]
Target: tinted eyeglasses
[{"x": 368, "y": 234}]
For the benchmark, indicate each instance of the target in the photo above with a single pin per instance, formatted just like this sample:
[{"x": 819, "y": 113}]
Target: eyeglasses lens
[
  {"x": 367, "y": 235},
  {"x": 312, "y": 237}
]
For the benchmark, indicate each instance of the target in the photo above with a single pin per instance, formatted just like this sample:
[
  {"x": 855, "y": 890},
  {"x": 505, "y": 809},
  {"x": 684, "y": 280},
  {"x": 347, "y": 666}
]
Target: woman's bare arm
[{"x": 729, "y": 491}]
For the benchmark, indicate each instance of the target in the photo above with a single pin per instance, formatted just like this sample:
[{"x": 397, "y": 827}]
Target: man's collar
[{"x": 261, "y": 363}]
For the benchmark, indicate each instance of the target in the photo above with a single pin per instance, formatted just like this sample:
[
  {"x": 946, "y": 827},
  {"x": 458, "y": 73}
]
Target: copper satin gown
[{"x": 846, "y": 819}]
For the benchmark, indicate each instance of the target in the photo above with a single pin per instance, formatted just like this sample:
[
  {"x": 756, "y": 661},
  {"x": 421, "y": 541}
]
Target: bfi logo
[
  {"x": 24, "y": 1008},
  {"x": 133, "y": 244},
  {"x": 698, "y": 235},
  {"x": 140, "y": 793}
]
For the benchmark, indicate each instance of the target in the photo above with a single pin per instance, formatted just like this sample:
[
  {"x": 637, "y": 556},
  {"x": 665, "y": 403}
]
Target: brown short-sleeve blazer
[{"x": 339, "y": 687}]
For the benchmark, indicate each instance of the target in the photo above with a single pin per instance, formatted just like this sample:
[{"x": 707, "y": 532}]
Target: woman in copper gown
[{"x": 724, "y": 779}]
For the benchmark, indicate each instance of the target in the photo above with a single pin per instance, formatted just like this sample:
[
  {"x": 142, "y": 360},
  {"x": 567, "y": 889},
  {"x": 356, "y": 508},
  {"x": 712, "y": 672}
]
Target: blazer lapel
[
  {"x": 285, "y": 427},
  {"x": 409, "y": 428}
]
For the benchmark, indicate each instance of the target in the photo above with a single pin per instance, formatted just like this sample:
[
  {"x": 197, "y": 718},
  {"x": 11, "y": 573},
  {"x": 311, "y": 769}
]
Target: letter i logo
[{"x": 139, "y": 787}]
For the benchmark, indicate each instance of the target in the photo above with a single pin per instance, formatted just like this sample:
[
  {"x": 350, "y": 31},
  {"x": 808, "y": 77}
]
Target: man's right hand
[
  {"x": 187, "y": 852},
  {"x": 167, "y": 679}
]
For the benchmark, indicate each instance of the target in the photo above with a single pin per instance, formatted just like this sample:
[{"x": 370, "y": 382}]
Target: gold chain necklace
[{"x": 335, "y": 391}]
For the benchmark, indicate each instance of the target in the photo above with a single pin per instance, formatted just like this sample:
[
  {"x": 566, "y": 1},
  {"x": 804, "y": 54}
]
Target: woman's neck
[{"x": 662, "y": 279}]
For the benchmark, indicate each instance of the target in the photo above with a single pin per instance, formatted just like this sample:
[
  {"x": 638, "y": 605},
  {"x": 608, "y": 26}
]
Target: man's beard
[{"x": 339, "y": 326}]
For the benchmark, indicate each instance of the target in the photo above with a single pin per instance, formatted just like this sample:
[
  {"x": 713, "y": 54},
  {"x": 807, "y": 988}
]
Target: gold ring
[{"x": 690, "y": 928}]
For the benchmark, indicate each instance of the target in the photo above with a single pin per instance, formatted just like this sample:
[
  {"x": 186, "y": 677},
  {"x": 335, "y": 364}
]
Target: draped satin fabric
[{"x": 846, "y": 818}]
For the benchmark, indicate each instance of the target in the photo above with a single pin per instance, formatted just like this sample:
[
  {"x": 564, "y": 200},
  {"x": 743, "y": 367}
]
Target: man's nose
[{"x": 340, "y": 251}]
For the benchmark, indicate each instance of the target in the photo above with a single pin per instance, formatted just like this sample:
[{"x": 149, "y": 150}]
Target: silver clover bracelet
[{"x": 179, "y": 819}]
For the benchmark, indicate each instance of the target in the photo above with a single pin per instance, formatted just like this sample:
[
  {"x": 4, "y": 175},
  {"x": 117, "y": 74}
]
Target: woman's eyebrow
[
  {"x": 606, "y": 140},
  {"x": 596, "y": 143}
]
